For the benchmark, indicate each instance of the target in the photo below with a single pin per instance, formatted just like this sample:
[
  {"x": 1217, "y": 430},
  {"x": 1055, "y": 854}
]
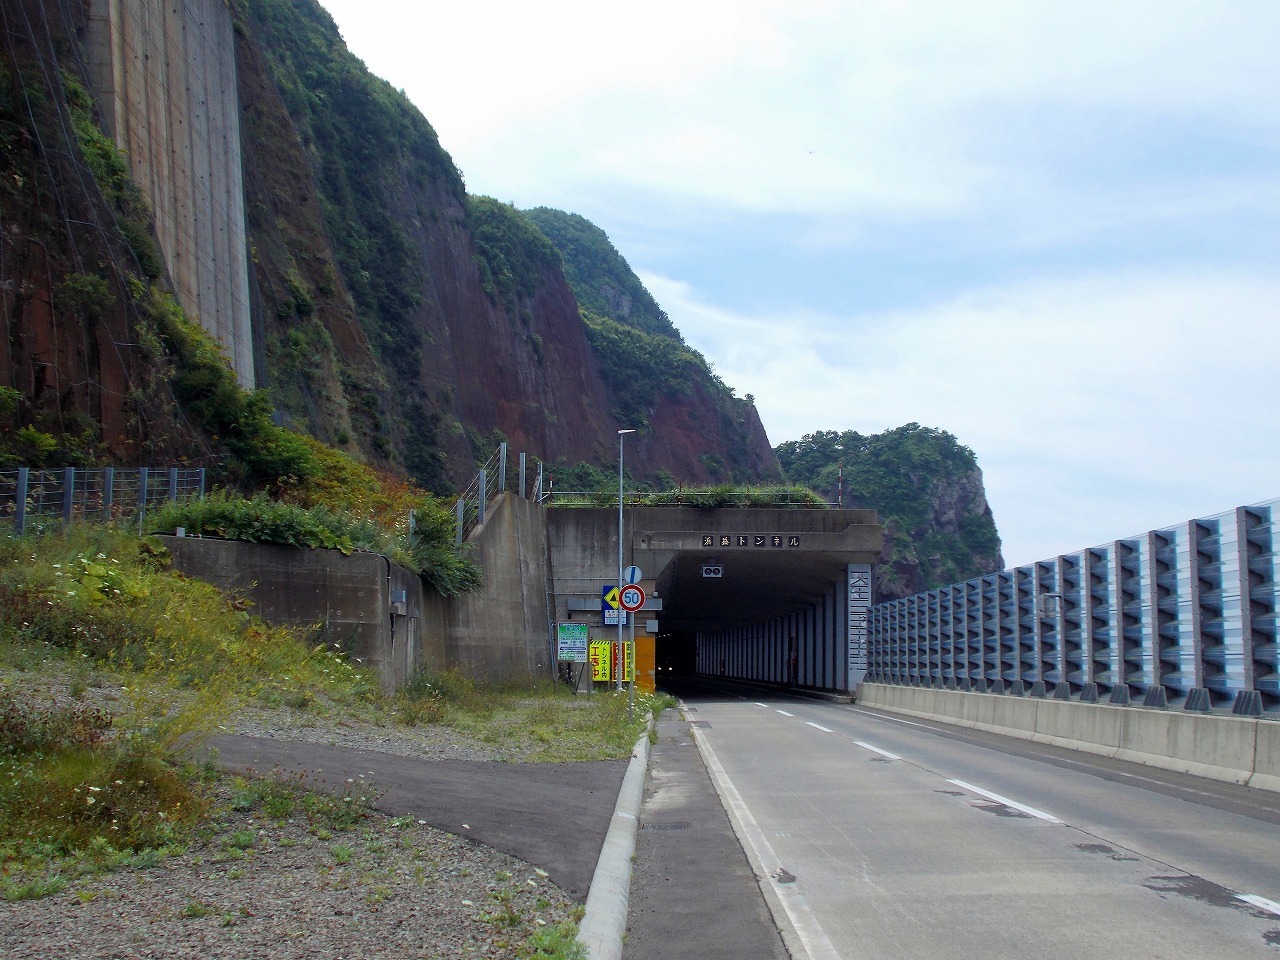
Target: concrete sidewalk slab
[
  {"x": 693, "y": 892},
  {"x": 553, "y": 815}
]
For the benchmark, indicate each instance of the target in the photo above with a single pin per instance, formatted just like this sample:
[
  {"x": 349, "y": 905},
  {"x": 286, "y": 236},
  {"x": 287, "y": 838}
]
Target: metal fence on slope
[{"x": 77, "y": 494}]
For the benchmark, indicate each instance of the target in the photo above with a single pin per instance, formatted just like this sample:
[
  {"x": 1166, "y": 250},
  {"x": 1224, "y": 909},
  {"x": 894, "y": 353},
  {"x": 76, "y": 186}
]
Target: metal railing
[
  {"x": 78, "y": 494},
  {"x": 493, "y": 479},
  {"x": 1185, "y": 616}
]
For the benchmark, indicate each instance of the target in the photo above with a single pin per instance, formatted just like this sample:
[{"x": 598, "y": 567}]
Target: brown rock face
[
  {"x": 377, "y": 326},
  {"x": 69, "y": 339}
]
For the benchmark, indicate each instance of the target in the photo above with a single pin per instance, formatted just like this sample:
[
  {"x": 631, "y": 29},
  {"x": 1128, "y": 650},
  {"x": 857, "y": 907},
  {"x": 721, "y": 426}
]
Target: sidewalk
[
  {"x": 553, "y": 815},
  {"x": 693, "y": 893}
]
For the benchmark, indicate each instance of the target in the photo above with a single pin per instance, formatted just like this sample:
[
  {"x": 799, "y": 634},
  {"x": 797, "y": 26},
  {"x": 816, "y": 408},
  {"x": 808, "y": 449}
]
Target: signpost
[{"x": 571, "y": 642}]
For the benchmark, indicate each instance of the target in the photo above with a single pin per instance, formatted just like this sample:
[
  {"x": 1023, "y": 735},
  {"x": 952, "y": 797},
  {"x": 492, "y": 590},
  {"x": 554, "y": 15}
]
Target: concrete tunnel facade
[{"x": 789, "y": 607}]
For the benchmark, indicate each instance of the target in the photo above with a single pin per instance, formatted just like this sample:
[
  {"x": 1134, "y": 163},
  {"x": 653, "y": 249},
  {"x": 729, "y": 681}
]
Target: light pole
[{"x": 621, "y": 436}]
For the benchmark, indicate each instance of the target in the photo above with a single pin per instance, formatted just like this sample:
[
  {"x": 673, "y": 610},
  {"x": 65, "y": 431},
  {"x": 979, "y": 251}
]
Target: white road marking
[
  {"x": 1029, "y": 811},
  {"x": 759, "y": 704},
  {"x": 814, "y": 944},
  {"x": 818, "y": 726},
  {"x": 881, "y": 716},
  {"x": 884, "y": 753},
  {"x": 785, "y": 714},
  {"x": 1262, "y": 903}
]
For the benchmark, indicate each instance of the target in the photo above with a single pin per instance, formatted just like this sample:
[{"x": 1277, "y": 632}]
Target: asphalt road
[
  {"x": 888, "y": 838},
  {"x": 554, "y": 815}
]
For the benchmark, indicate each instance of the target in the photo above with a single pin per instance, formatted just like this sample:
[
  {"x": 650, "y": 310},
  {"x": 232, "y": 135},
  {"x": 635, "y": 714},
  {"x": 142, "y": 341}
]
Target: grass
[
  {"x": 543, "y": 723},
  {"x": 112, "y": 667}
]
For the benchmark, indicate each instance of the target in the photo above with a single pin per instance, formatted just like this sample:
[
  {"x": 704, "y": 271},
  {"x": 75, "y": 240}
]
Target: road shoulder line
[{"x": 801, "y": 933}]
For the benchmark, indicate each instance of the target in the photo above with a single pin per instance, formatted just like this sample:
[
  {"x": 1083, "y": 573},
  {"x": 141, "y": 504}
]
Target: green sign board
[{"x": 571, "y": 642}]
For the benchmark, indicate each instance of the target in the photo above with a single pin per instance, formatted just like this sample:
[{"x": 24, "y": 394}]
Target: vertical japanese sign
[
  {"x": 602, "y": 662},
  {"x": 859, "y": 621}
]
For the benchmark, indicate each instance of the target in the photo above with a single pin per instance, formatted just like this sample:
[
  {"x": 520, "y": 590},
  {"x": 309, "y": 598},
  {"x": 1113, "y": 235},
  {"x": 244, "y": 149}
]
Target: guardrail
[
  {"x": 494, "y": 478},
  {"x": 77, "y": 494}
]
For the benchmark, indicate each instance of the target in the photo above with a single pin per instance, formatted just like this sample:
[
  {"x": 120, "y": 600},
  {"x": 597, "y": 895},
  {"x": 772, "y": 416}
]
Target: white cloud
[
  {"x": 877, "y": 106},
  {"x": 1039, "y": 135},
  {"x": 1098, "y": 407}
]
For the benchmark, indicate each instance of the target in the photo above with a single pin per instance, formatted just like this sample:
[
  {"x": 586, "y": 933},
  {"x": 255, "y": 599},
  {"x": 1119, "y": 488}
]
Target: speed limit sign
[{"x": 631, "y": 598}]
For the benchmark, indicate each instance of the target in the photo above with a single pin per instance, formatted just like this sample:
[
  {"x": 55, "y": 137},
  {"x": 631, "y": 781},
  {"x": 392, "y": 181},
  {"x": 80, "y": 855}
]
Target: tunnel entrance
[
  {"x": 749, "y": 594},
  {"x": 676, "y": 654}
]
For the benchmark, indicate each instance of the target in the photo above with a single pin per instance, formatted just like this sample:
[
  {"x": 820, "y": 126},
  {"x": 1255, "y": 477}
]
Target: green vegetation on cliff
[
  {"x": 643, "y": 359},
  {"x": 513, "y": 256},
  {"x": 638, "y": 367},
  {"x": 601, "y": 279},
  {"x": 927, "y": 489},
  {"x": 380, "y": 172}
]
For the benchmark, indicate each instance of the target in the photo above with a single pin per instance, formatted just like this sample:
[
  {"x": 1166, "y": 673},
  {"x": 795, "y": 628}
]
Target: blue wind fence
[{"x": 1186, "y": 616}]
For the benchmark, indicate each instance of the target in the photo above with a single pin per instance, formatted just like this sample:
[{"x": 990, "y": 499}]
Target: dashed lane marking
[
  {"x": 1262, "y": 903},
  {"x": 1029, "y": 811},
  {"x": 884, "y": 753}
]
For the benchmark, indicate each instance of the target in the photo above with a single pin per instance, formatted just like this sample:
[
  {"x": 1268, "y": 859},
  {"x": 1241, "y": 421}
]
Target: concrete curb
[{"x": 604, "y": 922}]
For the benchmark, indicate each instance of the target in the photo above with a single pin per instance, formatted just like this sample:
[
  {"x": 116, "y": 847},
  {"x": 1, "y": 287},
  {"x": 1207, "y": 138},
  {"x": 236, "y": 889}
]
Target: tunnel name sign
[
  {"x": 750, "y": 540},
  {"x": 859, "y": 615}
]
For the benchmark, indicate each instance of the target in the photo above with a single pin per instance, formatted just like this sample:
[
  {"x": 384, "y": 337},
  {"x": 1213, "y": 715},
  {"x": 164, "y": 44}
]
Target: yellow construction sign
[{"x": 602, "y": 656}]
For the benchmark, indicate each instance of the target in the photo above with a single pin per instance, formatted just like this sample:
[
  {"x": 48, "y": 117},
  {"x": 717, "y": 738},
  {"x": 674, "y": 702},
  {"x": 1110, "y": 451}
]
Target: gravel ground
[
  {"x": 270, "y": 890},
  {"x": 387, "y": 889},
  {"x": 425, "y": 743}
]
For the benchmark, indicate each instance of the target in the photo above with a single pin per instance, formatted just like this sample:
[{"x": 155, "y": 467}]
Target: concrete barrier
[
  {"x": 1266, "y": 767},
  {"x": 1012, "y": 716},
  {"x": 1230, "y": 749},
  {"x": 1219, "y": 748},
  {"x": 1089, "y": 727}
]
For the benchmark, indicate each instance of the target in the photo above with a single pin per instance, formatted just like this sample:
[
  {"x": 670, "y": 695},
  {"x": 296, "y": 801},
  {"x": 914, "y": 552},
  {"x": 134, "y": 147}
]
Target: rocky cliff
[
  {"x": 473, "y": 331},
  {"x": 690, "y": 423},
  {"x": 78, "y": 381},
  {"x": 928, "y": 489},
  {"x": 394, "y": 316}
]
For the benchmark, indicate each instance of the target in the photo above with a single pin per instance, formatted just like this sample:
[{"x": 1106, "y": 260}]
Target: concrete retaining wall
[
  {"x": 1233, "y": 749},
  {"x": 347, "y": 599},
  {"x": 498, "y": 633},
  {"x": 502, "y": 632},
  {"x": 164, "y": 75}
]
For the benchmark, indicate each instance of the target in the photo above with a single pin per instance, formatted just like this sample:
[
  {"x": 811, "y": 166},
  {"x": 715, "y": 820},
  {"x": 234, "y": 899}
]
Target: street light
[{"x": 621, "y": 435}]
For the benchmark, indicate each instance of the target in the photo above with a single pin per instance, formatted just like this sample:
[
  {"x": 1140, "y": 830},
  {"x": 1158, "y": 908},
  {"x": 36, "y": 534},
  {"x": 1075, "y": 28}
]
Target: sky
[{"x": 1051, "y": 229}]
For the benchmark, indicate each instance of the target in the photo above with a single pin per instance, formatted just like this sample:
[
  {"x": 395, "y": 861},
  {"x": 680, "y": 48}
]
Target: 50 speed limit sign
[{"x": 631, "y": 598}]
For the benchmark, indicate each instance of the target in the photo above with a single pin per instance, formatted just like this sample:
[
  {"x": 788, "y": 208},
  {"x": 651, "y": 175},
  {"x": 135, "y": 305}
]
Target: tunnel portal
[{"x": 773, "y": 595}]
